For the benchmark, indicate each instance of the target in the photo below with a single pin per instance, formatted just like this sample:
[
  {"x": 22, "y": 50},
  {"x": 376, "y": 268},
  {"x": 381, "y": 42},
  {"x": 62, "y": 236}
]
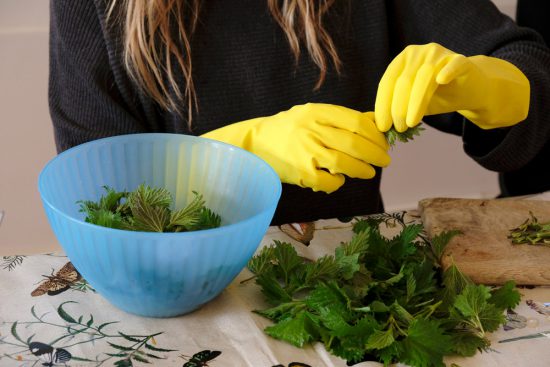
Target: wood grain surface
[{"x": 483, "y": 250}]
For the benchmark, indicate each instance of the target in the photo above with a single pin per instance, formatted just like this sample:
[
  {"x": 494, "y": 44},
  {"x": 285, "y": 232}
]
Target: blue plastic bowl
[{"x": 160, "y": 274}]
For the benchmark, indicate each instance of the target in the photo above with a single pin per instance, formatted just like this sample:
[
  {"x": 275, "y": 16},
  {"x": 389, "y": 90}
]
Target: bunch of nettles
[
  {"x": 148, "y": 209},
  {"x": 378, "y": 298}
]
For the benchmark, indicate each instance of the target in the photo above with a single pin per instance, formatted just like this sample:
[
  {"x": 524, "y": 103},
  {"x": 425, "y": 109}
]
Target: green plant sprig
[
  {"x": 148, "y": 209},
  {"x": 393, "y": 136},
  {"x": 531, "y": 232},
  {"x": 377, "y": 298}
]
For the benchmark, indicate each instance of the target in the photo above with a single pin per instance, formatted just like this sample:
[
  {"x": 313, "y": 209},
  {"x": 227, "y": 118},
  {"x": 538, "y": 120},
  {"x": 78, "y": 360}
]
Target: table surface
[{"x": 37, "y": 328}]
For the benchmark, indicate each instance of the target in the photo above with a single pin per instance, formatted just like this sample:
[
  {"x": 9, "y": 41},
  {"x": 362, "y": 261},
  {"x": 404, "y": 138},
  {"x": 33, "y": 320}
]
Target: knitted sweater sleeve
[
  {"x": 88, "y": 98},
  {"x": 476, "y": 27}
]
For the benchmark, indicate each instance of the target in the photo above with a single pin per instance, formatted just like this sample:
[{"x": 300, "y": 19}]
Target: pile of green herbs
[
  {"x": 148, "y": 209},
  {"x": 531, "y": 232},
  {"x": 378, "y": 298}
]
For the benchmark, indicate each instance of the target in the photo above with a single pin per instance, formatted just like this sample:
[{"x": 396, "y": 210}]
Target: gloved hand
[
  {"x": 430, "y": 79},
  {"x": 312, "y": 145}
]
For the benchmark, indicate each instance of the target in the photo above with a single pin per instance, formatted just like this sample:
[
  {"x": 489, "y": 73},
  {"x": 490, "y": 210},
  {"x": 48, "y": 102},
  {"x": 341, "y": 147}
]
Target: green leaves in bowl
[{"x": 148, "y": 209}]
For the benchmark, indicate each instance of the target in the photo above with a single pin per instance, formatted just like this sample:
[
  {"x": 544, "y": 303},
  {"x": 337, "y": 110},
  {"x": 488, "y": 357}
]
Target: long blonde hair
[{"x": 150, "y": 46}]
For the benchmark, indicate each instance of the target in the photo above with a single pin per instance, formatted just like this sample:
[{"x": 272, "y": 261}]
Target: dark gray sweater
[{"x": 243, "y": 68}]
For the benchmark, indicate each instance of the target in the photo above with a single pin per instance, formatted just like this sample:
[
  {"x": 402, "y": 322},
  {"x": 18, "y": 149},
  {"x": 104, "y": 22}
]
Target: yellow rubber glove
[
  {"x": 430, "y": 79},
  {"x": 312, "y": 145}
]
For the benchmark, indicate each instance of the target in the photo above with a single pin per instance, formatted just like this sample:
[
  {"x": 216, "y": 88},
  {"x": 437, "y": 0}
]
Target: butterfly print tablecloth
[{"x": 50, "y": 316}]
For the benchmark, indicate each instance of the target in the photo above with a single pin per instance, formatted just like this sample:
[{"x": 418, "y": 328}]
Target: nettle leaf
[
  {"x": 333, "y": 320},
  {"x": 409, "y": 234},
  {"x": 272, "y": 290},
  {"x": 506, "y": 296},
  {"x": 389, "y": 354},
  {"x": 377, "y": 306},
  {"x": 208, "y": 219},
  {"x": 454, "y": 282},
  {"x": 491, "y": 317},
  {"x": 425, "y": 344},
  {"x": 440, "y": 242},
  {"x": 352, "y": 350},
  {"x": 323, "y": 268},
  {"x": 111, "y": 200},
  {"x": 298, "y": 330},
  {"x": 358, "y": 244},
  {"x": 467, "y": 344},
  {"x": 393, "y": 136},
  {"x": 348, "y": 265},
  {"x": 282, "y": 311},
  {"x": 287, "y": 259},
  {"x": 361, "y": 225},
  {"x": 400, "y": 313},
  {"x": 150, "y": 196},
  {"x": 105, "y": 218},
  {"x": 472, "y": 300},
  {"x": 425, "y": 283},
  {"x": 329, "y": 296},
  {"x": 149, "y": 218},
  {"x": 190, "y": 216},
  {"x": 380, "y": 339},
  {"x": 263, "y": 262}
]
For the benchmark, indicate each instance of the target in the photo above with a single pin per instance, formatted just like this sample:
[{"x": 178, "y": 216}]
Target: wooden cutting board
[{"x": 483, "y": 251}]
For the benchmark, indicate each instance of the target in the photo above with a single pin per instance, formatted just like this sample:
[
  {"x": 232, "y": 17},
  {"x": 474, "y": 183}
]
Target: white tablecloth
[{"x": 78, "y": 327}]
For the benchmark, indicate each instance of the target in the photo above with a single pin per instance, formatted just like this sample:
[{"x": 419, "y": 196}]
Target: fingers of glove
[
  {"x": 353, "y": 145},
  {"x": 337, "y": 116},
  {"x": 364, "y": 127},
  {"x": 456, "y": 66},
  {"x": 370, "y": 131},
  {"x": 321, "y": 180},
  {"x": 421, "y": 94},
  {"x": 328, "y": 114},
  {"x": 349, "y": 120},
  {"x": 340, "y": 163},
  {"x": 400, "y": 101},
  {"x": 384, "y": 95}
]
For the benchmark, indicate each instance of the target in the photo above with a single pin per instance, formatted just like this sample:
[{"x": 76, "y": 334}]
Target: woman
[
  {"x": 533, "y": 177},
  {"x": 195, "y": 68}
]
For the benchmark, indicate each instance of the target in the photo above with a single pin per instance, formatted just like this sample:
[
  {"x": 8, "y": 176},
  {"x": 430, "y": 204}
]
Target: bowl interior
[{"x": 235, "y": 184}]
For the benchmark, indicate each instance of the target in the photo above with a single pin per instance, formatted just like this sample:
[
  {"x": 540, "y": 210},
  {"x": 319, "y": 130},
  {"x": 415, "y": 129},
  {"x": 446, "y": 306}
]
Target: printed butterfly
[
  {"x": 60, "y": 282},
  {"x": 301, "y": 232},
  {"x": 201, "y": 359},
  {"x": 49, "y": 355}
]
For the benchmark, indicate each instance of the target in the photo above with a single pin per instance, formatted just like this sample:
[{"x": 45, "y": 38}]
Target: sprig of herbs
[
  {"x": 378, "y": 298},
  {"x": 148, "y": 209},
  {"x": 393, "y": 136},
  {"x": 531, "y": 232}
]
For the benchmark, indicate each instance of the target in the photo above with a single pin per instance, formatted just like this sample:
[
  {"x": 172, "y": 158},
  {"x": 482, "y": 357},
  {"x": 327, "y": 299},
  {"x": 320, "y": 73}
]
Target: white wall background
[{"x": 432, "y": 165}]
